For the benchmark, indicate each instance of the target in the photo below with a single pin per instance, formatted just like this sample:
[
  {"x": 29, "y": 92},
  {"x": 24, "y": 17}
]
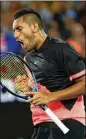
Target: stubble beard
[{"x": 32, "y": 46}]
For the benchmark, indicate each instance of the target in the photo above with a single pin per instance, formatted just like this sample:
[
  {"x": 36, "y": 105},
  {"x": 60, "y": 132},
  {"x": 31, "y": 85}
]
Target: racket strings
[{"x": 11, "y": 67}]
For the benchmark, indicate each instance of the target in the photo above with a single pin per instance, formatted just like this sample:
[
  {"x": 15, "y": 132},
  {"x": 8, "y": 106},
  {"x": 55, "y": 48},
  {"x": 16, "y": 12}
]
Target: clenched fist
[{"x": 21, "y": 83}]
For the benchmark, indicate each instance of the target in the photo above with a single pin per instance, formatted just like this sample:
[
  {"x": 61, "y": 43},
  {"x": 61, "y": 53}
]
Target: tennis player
[{"x": 59, "y": 68}]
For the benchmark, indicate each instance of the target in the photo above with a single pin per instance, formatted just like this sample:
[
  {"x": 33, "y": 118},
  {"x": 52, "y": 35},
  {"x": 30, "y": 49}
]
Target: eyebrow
[{"x": 17, "y": 28}]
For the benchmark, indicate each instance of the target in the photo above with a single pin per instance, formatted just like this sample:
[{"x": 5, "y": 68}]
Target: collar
[{"x": 44, "y": 45}]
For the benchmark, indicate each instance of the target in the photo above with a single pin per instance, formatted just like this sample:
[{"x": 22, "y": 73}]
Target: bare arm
[
  {"x": 71, "y": 92},
  {"x": 68, "y": 93}
]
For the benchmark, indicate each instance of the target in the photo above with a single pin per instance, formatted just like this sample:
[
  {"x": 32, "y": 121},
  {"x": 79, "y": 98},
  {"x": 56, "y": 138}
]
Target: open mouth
[
  {"x": 21, "y": 42},
  {"x": 23, "y": 45}
]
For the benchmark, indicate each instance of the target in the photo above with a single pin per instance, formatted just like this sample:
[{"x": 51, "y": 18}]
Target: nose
[{"x": 16, "y": 34}]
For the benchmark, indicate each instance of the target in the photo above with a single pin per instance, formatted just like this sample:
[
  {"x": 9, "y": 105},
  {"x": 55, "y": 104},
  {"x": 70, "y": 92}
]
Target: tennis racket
[{"x": 12, "y": 67}]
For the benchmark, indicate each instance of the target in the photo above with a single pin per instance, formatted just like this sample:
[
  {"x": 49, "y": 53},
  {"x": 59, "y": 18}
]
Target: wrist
[
  {"x": 52, "y": 97},
  {"x": 56, "y": 95}
]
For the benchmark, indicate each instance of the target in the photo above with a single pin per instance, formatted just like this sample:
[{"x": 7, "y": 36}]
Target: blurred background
[{"x": 65, "y": 20}]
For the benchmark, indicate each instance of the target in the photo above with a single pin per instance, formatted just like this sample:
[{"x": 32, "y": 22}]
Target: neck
[{"x": 40, "y": 38}]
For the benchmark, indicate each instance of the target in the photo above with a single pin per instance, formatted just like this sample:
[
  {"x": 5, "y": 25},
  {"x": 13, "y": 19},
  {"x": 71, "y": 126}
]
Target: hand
[
  {"x": 21, "y": 83},
  {"x": 39, "y": 98}
]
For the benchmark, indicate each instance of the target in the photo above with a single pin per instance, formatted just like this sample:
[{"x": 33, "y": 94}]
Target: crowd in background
[{"x": 65, "y": 20}]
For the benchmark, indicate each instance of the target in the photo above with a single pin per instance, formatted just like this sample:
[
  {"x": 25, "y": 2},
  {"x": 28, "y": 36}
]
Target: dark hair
[{"x": 29, "y": 11}]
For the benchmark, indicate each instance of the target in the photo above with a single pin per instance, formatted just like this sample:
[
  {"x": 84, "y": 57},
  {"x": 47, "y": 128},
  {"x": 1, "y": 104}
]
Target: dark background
[{"x": 15, "y": 121}]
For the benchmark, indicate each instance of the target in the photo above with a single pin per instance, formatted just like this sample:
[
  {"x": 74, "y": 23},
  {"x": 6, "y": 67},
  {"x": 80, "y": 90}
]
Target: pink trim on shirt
[
  {"x": 77, "y": 75},
  {"x": 77, "y": 112}
]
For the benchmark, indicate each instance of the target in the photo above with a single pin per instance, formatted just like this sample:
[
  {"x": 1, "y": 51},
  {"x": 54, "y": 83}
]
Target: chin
[{"x": 28, "y": 50}]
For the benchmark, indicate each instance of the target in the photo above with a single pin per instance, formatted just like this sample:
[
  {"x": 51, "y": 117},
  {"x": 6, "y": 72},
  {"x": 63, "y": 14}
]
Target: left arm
[
  {"x": 68, "y": 93},
  {"x": 72, "y": 91}
]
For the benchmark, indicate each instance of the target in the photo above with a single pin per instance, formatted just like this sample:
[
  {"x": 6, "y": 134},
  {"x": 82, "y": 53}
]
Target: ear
[{"x": 34, "y": 27}]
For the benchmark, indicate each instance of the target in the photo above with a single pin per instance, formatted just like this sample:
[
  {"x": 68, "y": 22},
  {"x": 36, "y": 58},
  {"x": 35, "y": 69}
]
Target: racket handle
[{"x": 56, "y": 120}]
